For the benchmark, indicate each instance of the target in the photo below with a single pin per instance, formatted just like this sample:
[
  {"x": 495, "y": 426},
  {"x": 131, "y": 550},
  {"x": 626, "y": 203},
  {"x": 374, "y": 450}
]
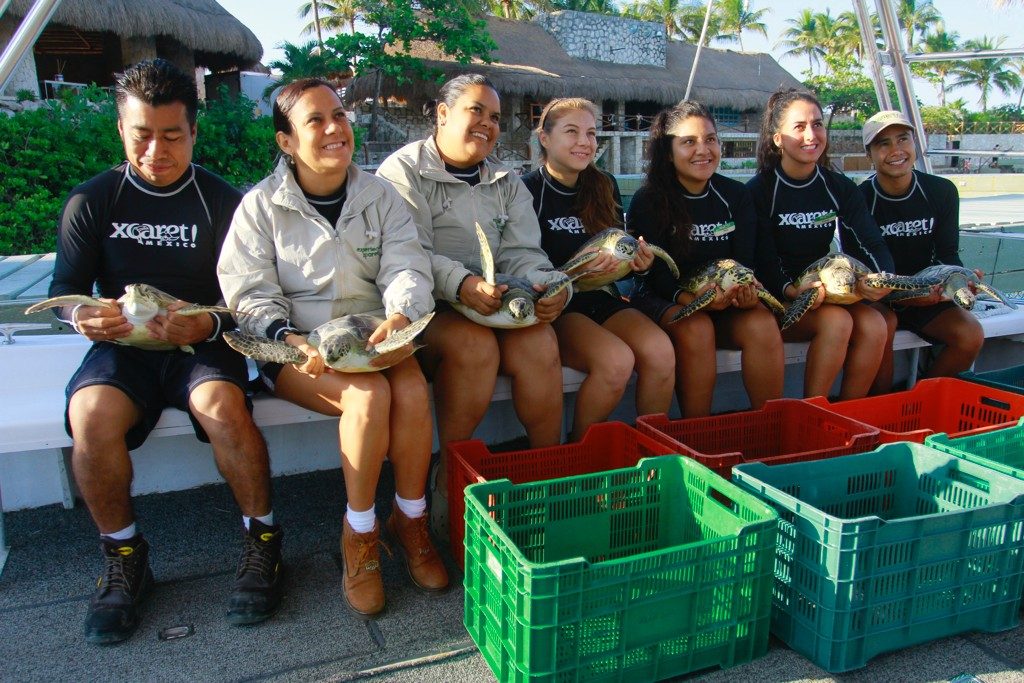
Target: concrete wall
[
  {"x": 24, "y": 76},
  {"x": 604, "y": 38}
]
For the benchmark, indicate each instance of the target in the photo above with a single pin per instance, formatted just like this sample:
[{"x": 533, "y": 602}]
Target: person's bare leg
[
  {"x": 655, "y": 359},
  {"x": 867, "y": 345},
  {"x": 883, "y": 380},
  {"x": 828, "y": 330},
  {"x": 756, "y": 334},
  {"x": 693, "y": 338},
  {"x": 411, "y": 428},
  {"x": 238, "y": 446},
  {"x": 963, "y": 337},
  {"x": 100, "y": 417},
  {"x": 363, "y": 402},
  {"x": 461, "y": 358},
  {"x": 586, "y": 346},
  {"x": 529, "y": 356}
]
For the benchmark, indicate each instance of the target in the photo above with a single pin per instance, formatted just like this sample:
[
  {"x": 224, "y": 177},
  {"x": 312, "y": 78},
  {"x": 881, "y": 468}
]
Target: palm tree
[
  {"x": 736, "y": 17},
  {"x": 802, "y": 38},
  {"x": 691, "y": 24},
  {"x": 986, "y": 74},
  {"x": 333, "y": 16},
  {"x": 847, "y": 36},
  {"x": 305, "y": 61},
  {"x": 916, "y": 18},
  {"x": 938, "y": 72},
  {"x": 665, "y": 12},
  {"x": 510, "y": 9}
]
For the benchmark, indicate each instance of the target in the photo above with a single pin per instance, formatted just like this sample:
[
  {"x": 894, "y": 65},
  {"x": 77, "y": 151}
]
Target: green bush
[{"x": 46, "y": 152}]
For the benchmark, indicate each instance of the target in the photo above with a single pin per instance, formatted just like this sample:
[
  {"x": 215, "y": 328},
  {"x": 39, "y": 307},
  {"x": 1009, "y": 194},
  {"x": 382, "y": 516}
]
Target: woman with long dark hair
[
  {"x": 698, "y": 215},
  {"x": 802, "y": 205}
]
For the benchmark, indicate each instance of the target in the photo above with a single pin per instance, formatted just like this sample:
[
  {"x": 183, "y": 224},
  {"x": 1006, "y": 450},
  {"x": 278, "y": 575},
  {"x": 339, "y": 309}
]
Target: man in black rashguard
[
  {"x": 919, "y": 215},
  {"x": 157, "y": 219}
]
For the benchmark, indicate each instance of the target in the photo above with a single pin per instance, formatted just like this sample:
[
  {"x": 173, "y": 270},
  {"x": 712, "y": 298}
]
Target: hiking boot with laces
[
  {"x": 362, "y": 584},
  {"x": 113, "y": 611},
  {"x": 421, "y": 559},
  {"x": 257, "y": 592}
]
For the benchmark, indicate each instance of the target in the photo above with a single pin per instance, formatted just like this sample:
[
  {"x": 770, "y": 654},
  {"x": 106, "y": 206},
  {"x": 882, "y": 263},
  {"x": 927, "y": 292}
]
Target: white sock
[
  {"x": 267, "y": 519},
  {"x": 412, "y": 508},
  {"x": 122, "y": 535},
  {"x": 361, "y": 522}
]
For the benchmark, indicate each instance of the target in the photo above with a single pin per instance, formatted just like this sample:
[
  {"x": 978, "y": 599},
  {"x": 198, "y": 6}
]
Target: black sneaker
[
  {"x": 257, "y": 592},
  {"x": 113, "y": 610}
]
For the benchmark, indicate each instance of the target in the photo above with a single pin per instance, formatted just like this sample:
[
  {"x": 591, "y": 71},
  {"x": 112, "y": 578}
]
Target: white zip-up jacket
[
  {"x": 445, "y": 209},
  {"x": 282, "y": 260}
]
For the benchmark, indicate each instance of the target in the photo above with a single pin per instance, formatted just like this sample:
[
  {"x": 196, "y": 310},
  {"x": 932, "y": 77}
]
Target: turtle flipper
[
  {"x": 486, "y": 257},
  {"x": 903, "y": 295},
  {"x": 577, "y": 261},
  {"x": 700, "y": 302},
  {"x": 66, "y": 300},
  {"x": 263, "y": 349},
  {"x": 994, "y": 293},
  {"x": 900, "y": 283},
  {"x": 770, "y": 301},
  {"x": 799, "y": 308},
  {"x": 664, "y": 256},
  {"x": 196, "y": 309},
  {"x": 404, "y": 335}
]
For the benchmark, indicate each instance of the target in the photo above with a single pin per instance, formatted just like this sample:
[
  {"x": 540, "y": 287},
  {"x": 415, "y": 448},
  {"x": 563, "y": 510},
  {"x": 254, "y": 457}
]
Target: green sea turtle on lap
[
  {"x": 623, "y": 247},
  {"x": 723, "y": 273},
  {"x": 958, "y": 285}
]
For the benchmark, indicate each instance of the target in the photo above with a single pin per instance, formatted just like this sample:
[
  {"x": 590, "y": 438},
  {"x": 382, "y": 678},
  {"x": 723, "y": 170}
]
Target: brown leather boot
[
  {"x": 421, "y": 559},
  {"x": 362, "y": 585}
]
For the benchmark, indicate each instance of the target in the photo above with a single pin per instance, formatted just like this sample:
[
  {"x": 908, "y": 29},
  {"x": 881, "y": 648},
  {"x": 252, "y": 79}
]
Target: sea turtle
[
  {"x": 341, "y": 342},
  {"x": 517, "y": 302},
  {"x": 140, "y": 304},
  {"x": 956, "y": 284},
  {"x": 723, "y": 273},
  {"x": 622, "y": 246},
  {"x": 840, "y": 273}
]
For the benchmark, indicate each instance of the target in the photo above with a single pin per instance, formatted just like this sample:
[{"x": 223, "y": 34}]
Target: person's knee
[
  {"x": 411, "y": 397},
  {"x": 471, "y": 348},
  {"x": 615, "y": 368},
  {"x": 967, "y": 338},
  {"x": 834, "y": 325},
  {"x": 98, "y": 417},
  {"x": 692, "y": 334},
  {"x": 533, "y": 350},
  {"x": 657, "y": 353}
]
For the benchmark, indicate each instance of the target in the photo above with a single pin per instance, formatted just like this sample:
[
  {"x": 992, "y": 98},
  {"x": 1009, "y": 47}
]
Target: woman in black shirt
[
  {"x": 801, "y": 206},
  {"x": 697, "y": 215},
  {"x": 598, "y": 333}
]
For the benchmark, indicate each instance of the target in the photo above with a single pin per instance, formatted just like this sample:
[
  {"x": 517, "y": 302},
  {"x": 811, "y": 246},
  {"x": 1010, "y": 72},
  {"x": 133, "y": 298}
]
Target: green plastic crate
[
  {"x": 1002, "y": 450},
  {"x": 883, "y": 550},
  {"x": 1007, "y": 379},
  {"x": 631, "y": 574}
]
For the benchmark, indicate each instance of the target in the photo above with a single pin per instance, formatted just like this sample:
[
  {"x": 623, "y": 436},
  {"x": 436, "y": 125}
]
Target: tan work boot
[
  {"x": 362, "y": 584},
  {"x": 421, "y": 559}
]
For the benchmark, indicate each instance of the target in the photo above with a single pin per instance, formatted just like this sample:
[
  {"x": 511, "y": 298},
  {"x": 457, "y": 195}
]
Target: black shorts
[
  {"x": 652, "y": 305},
  {"x": 155, "y": 380},
  {"x": 916, "y": 318},
  {"x": 597, "y": 305}
]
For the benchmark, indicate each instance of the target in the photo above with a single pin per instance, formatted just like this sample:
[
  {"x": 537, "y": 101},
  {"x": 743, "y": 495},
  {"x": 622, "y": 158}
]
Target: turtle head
[
  {"x": 139, "y": 303},
  {"x": 520, "y": 308},
  {"x": 964, "y": 298},
  {"x": 625, "y": 248},
  {"x": 337, "y": 347}
]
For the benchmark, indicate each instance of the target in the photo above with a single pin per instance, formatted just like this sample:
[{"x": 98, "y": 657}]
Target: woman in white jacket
[
  {"x": 450, "y": 185},
  {"x": 316, "y": 240}
]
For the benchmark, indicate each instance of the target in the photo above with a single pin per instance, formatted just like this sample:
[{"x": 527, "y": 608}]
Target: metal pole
[
  {"x": 867, "y": 39},
  {"x": 901, "y": 74},
  {"x": 3, "y": 6},
  {"x": 961, "y": 55},
  {"x": 25, "y": 37},
  {"x": 700, "y": 46}
]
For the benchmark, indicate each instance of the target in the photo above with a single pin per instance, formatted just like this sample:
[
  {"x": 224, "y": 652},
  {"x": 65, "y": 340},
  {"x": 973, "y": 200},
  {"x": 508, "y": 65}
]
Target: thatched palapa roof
[
  {"x": 529, "y": 61},
  {"x": 200, "y": 25}
]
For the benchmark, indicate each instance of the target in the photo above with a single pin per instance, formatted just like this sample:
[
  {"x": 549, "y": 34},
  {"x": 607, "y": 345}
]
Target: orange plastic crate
[
  {"x": 784, "y": 431},
  {"x": 605, "y": 446},
  {"x": 944, "y": 404}
]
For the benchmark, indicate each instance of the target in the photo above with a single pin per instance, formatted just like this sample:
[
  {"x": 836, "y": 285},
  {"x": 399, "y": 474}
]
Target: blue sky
[{"x": 274, "y": 21}]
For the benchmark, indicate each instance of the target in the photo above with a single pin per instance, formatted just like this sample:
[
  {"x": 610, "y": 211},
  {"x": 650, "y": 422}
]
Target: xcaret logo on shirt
[
  {"x": 805, "y": 220},
  {"x": 921, "y": 226},
  {"x": 570, "y": 224},
  {"x": 157, "y": 235}
]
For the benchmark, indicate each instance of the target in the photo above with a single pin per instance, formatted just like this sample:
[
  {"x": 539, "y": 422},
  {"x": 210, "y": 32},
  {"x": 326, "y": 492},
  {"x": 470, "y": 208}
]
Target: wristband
[
  {"x": 458, "y": 289},
  {"x": 216, "y": 328}
]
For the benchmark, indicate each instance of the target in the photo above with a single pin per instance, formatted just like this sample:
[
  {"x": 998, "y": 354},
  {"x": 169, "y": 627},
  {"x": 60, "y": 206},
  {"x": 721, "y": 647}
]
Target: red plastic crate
[
  {"x": 605, "y": 446},
  {"x": 944, "y": 404},
  {"x": 785, "y": 430}
]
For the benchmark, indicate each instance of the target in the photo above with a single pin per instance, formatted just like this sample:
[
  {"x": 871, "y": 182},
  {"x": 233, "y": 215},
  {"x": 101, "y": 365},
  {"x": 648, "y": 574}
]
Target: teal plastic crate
[
  {"x": 1007, "y": 379},
  {"x": 631, "y": 574},
  {"x": 883, "y": 550},
  {"x": 1002, "y": 450}
]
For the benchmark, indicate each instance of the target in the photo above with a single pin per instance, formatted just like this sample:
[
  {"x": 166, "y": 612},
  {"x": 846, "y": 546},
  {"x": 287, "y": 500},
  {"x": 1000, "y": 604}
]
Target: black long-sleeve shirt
[
  {"x": 116, "y": 229},
  {"x": 797, "y": 220},
  {"x": 922, "y": 227},
  {"x": 724, "y": 225}
]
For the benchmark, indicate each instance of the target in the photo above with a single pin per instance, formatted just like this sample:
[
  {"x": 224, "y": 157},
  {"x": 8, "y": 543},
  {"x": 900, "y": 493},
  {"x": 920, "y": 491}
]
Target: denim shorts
[{"x": 155, "y": 380}]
